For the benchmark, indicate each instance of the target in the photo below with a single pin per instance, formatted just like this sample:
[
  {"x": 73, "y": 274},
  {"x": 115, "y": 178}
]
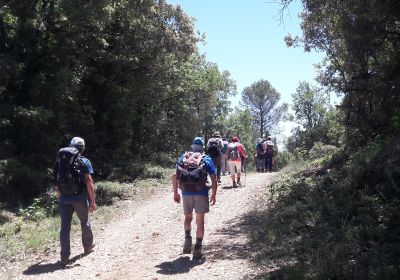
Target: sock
[
  {"x": 187, "y": 233},
  {"x": 198, "y": 242}
]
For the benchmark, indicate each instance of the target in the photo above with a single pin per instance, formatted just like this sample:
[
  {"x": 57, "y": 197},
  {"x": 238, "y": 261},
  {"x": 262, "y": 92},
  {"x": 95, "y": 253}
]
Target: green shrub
[
  {"x": 320, "y": 150},
  {"x": 19, "y": 183},
  {"x": 108, "y": 192},
  {"x": 153, "y": 171}
]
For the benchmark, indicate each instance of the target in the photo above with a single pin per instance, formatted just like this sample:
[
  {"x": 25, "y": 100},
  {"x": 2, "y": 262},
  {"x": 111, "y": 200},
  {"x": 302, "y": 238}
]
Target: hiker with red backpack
[
  {"x": 74, "y": 188},
  {"x": 190, "y": 177},
  {"x": 213, "y": 148},
  {"x": 234, "y": 152},
  {"x": 269, "y": 148}
]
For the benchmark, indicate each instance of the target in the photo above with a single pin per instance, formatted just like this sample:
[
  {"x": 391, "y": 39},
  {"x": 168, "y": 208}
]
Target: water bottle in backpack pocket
[{"x": 69, "y": 177}]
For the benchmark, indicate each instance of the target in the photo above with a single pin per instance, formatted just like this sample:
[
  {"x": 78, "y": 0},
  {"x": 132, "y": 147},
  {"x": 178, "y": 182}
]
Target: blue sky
[{"x": 246, "y": 38}]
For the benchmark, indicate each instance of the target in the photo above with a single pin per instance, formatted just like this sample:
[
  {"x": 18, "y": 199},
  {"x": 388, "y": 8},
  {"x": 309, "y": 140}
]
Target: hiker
[
  {"x": 269, "y": 148},
  {"x": 74, "y": 188},
  {"x": 224, "y": 163},
  {"x": 190, "y": 176},
  {"x": 213, "y": 148},
  {"x": 234, "y": 152},
  {"x": 259, "y": 154}
]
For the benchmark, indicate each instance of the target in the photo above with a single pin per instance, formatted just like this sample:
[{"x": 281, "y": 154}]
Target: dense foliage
[
  {"x": 339, "y": 217},
  {"x": 319, "y": 122},
  {"x": 124, "y": 75},
  {"x": 362, "y": 42}
]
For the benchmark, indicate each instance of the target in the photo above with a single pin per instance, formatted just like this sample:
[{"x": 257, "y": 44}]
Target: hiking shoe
[
  {"x": 89, "y": 249},
  {"x": 234, "y": 185},
  {"x": 239, "y": 184},
  {"x": 197, "y": 252},
  {"x": 219, "y": 181},
  {"x": 187, "y": 246},
  {"x": 64, "y": 263}
]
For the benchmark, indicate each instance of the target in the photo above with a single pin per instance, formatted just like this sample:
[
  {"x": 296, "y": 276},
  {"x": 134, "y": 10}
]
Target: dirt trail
[{"x": 146, "y": 243}]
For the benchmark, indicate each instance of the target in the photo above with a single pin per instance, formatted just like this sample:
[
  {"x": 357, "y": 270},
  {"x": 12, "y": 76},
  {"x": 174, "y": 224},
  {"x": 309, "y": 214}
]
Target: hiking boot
[
  {"x": 234, "y": 184},
  {"x": 239, "y": 184},
  {"x": 90, "y": 249},
  {"x": 187, "y": 246},
  {"x": 64, "y": 263},
  {"x": 219, "y": 181},
  {"x": 197, "y": 252}
]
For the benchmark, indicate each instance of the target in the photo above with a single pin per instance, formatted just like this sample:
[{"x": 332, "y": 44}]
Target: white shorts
[{"x": 235, "y": 164}]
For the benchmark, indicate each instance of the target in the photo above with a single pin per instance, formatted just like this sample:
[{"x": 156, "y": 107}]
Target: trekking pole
[{"x": 245, "y": 172}]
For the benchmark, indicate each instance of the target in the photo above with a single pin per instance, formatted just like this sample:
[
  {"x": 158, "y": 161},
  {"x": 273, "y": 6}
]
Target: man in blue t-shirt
[
  {"x": 82, "y": 202},
  {"x": 194, "y": 192}
]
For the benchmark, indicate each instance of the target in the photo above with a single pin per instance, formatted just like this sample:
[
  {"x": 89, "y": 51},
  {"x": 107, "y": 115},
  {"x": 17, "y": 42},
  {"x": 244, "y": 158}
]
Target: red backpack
[{"x": 192, "y": 174}]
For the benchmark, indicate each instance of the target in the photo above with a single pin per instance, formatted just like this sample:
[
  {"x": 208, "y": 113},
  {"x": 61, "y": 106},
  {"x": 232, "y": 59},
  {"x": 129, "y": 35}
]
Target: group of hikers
[
  {"x": 74, "y": 186},
  {"x": 264, "y": 154}
]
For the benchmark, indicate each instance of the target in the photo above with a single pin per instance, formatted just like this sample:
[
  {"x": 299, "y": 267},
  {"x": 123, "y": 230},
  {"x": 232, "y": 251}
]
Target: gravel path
[{"x": 146, "y": 243}]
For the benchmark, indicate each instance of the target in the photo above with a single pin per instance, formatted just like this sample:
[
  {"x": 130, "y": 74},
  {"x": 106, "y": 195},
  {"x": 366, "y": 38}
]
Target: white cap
[{"x": 77, "y": 141}]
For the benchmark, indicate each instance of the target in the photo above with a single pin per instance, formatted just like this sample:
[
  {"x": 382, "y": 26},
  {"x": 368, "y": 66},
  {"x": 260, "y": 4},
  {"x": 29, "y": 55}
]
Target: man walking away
[
  {"x": 213, "y": 148},
  {"x": 74, "y": 188},
  {"x": 269, "y": 148},
  {"x": 224, "y": 163},
  {"x": 259, "y": 154},
  {"x": 234, "y": 152},
  {"x": 190, "y": 176}
]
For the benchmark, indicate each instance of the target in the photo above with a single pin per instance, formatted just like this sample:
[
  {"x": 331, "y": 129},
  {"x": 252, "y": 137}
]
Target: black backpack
[
  {"x": 214, "y": 149},
  {"x": 69, "y": 177},
  {"x": 260, "y": 149},
  {"x": 191, "y": 172},
  {"x": 269, "y": 147}
]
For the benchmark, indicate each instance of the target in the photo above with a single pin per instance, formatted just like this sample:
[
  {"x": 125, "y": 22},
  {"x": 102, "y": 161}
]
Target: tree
[
  {"x": 361, "y": 41},
  {"x": 262, "y": 101},
  {"x": 309, "y": 105},
  {"x": 240, "y": 123},
  {"x": 97, "y": 69}
]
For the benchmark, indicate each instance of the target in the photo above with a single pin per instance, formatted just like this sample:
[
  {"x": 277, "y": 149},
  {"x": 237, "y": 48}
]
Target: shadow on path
[
  {"x": 232, "y": 242},
  {"x": 40, "y": 267},
  {"x": 178, "y": 266}
]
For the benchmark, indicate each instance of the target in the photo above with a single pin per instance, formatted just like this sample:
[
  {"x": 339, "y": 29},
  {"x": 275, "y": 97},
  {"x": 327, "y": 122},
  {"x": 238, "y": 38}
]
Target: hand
[
  {"x": 177, "y": 197},
  {"x": 213, "y": 199},
  {"x": 57, "y": 192},
  {"x": 92, "y": 207}
]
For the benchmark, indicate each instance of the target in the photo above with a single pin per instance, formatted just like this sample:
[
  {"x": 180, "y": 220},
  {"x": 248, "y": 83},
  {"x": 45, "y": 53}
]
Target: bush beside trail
[{"x": 337, "y": 222}]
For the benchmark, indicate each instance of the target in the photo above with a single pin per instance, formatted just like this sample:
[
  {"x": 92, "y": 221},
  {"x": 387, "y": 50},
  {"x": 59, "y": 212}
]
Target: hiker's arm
[
  {"x": 213, "y": 189},
  {"x": 243, "y": 152},
  {"x": 90, "y": 191},
  {"x": 177, "y": 197}
]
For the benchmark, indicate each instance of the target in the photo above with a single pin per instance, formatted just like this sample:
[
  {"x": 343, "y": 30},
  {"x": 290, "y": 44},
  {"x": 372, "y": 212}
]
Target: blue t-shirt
[
  {"x": 86, "y": 168},
  {"x": 211, "y": 170}
]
